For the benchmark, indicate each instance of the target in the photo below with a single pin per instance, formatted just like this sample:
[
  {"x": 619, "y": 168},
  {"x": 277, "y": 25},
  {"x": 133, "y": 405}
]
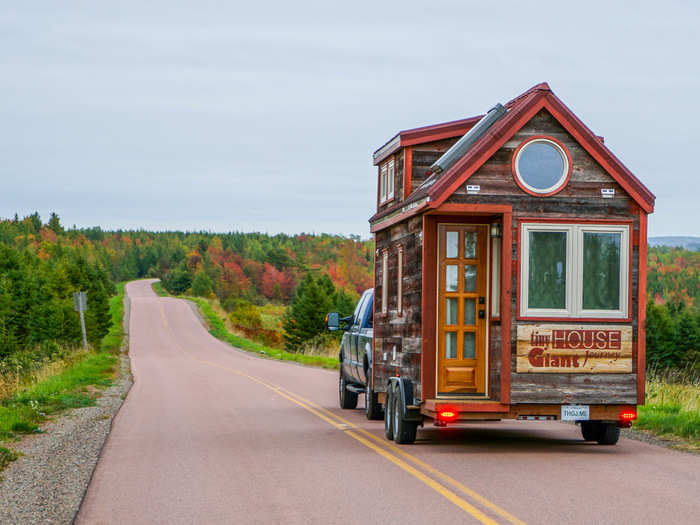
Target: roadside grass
[
  {"x": 271, "y": 316},
  {"x": 77, "y": 385},
  {"x": 673, "y": 407},
  {"x": 218, "y": 329},
  {"x": 158, "y": 288}
]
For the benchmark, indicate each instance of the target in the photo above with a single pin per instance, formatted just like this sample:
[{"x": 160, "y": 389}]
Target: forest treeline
[
  {"x": 41, "y": 264},
  {"x": 673, "y": 308}
]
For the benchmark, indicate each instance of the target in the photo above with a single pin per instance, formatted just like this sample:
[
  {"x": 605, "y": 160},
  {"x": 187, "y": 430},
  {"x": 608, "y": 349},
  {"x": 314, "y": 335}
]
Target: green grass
[
  {"x": 158, "y": 288},
  {"x": 6, "y": 457},
  {"x": 74, "y": 387},
  {"x": 217, "y": 328},
  {"x": 673, "y": 407},
  {"x": 26, "y": 410},
  {"x": 113, "y": 340}
]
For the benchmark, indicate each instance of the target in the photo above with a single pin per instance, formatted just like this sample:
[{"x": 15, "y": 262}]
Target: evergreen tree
[
  {"x": 306, "y": 316},
  {"x": 54, "y": 224},
  {"x": 202, "y": 284}
]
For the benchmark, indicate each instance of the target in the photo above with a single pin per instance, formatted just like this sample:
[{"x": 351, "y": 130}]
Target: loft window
[
  {"x": 382, "y": 184},
  {"x": 390, "y": 181},
  {"x": 386, "y": 182},
  {"x": 541, "y": 166},
  {"x": 570, "y": 270}
]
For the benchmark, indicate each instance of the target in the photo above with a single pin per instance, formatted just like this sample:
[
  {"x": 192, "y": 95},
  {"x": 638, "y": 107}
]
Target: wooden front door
[{"x": 462, "y": 309}]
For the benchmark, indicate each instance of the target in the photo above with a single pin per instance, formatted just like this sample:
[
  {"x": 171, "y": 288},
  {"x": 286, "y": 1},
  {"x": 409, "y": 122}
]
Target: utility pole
[{"x": 80, "y": 304}]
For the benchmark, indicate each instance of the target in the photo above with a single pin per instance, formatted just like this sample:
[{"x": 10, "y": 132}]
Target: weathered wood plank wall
[
  {"x": 401, "y": 330},
  {"x": 580, "y": 199}
]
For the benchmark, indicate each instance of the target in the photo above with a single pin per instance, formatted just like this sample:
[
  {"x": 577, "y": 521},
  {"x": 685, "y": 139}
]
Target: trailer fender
[{"x": 404, "y": 387}]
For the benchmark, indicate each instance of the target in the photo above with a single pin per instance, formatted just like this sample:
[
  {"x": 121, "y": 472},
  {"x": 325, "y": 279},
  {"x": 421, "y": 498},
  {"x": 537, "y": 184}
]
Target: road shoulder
[{"x": 47, "y": 483}]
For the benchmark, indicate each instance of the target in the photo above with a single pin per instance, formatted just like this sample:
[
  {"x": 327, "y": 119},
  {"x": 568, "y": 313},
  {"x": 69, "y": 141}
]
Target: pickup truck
[{"x": 355, "y": 356}]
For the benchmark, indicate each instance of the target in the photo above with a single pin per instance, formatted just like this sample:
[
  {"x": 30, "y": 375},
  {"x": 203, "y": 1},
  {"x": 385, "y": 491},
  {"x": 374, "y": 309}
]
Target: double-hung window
[
  {"x": 574, "y": 270},
  {"x": 382, "y": 183},
  {"x": 386, "y": 182}
]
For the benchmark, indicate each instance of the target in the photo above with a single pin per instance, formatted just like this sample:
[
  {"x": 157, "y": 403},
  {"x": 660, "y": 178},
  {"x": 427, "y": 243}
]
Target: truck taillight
[
  {"x": 447, "y": 415},
  {"x": 628, "y": 415}
]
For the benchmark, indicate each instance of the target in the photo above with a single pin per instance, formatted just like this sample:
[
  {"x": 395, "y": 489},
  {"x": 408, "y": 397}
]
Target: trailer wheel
[
  {"x": 347, "y": 399},
  {"x": 608, "y": 434},
  {"x": 404, "y": 431},
  {"x": 388, "y": 413},
  {"x": 590, "y": 430},
  {"x": 373, "y": 409}
]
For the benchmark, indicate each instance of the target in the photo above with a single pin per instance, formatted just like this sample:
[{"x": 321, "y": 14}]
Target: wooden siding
[
  {"x": 424, "y": 155},
  {"x": 391, "y": 329},
  {"x": 580, "y": 199}
]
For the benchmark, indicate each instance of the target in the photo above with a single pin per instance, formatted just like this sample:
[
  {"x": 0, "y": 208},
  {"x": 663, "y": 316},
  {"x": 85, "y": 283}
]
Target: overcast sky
[{"x": 264, "y": 115}]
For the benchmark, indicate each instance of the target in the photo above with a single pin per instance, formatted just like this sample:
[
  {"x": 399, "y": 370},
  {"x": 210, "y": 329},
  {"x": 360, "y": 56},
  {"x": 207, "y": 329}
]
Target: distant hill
[{"x": 689, "y": 243}]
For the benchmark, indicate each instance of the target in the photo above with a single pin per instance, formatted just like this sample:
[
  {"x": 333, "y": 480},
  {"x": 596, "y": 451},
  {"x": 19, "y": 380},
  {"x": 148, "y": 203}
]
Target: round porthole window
[{"x": 541, "y": 166}]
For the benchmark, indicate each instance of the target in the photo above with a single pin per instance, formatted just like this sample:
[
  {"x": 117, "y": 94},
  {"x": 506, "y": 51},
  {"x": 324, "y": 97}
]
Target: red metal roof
[{"x": 520, "y": 110}]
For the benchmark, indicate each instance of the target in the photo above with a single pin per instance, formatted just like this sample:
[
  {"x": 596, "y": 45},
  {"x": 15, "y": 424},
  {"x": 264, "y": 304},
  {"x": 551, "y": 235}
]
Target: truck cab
[{"x": 355, "y": 354}]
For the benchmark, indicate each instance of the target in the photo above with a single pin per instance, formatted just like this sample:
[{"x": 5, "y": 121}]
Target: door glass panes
[
  {"x": 450, "y": 345},
  {"x": 469, "y": 278},
  {"x": 470, "y": 245},
  {"x": 450, "y": 311},
  {"x": 469, "y": 311},
  {"x": 451, "y": 278},
  {"x": 547, "y": 270},
  {"x": 469, "y": 345},
  {"x": 451, "y": 244},
  {"x": 601, "y": 271}
]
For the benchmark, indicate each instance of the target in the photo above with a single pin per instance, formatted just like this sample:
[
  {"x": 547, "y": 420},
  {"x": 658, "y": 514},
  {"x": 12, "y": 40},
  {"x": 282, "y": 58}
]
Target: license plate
[{"x": 575, "y": 413}]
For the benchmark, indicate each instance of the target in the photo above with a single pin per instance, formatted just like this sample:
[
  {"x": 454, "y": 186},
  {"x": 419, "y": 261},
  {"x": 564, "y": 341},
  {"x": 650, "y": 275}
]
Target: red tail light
[
  {"x": 628, "y": 415},
  {"x": 447, "y": 415}
]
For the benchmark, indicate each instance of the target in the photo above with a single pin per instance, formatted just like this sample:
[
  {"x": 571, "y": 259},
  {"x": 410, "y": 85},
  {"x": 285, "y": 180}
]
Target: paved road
[{"x": 209, "y": 434}]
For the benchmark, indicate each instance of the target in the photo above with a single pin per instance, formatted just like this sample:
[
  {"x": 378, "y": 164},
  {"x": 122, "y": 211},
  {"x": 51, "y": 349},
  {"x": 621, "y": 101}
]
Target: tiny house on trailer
[{"x": 510, "y": 275}]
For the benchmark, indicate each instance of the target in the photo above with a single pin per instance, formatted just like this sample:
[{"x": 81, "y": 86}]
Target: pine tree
[
  {"x": 202, "y": 284},
  {"x": 55, "y": 224}
]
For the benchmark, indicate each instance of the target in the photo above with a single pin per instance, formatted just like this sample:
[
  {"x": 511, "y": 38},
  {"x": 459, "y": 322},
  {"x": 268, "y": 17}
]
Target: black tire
[
  {"x": 347, "y": 399},
  {"x": 404, "y": 431},
  {"x": 388, "y": 415},
  {"x": 609, "y": 434},
  {"x": 373, "y": 409},
  {"x": 590, "y": 430}
]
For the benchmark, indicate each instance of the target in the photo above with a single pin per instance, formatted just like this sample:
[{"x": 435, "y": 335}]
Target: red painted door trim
[{"x": 506, "y": 294}]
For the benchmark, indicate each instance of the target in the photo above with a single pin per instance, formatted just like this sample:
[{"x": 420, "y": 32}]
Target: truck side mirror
[{"x": 333, "y": 321}]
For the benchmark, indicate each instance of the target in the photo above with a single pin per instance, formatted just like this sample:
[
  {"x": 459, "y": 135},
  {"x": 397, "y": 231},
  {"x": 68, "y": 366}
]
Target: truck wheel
[
  {"x": 609, "y": 434},
  {"x": 347, "y": 399},
  {"x": 404, "y": 431},
  {"x": 373, "y": 410},
  {"x": 388, "y": 415},
  {"x": 590, "y": 430}
]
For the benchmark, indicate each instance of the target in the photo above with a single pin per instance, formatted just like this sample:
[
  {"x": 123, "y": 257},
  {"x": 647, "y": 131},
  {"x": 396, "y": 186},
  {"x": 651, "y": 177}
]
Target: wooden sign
[{"x": 573, "y": 349}]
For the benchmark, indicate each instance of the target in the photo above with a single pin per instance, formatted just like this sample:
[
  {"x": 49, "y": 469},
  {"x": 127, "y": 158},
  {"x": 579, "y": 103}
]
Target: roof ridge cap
[{"x": 542, "y": 86}]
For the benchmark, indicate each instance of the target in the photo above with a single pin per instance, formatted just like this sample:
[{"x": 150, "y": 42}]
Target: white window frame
[
  {"x": 382, "y": 184},
  {"x": 399, "y": 281},
  {"x": 495, "y": 276},
  {"x": 563, "y": 177},
  {"x": 574, "y": 270},
  {"x": 385, "y": 281},
  {"x": 390, "y": 180}
]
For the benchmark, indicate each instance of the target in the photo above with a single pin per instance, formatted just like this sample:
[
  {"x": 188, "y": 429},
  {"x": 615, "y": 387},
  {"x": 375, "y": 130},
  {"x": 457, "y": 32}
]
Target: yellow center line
[
  {"x": 342, "y": 424},
  {"x": 432, "y": 470}
]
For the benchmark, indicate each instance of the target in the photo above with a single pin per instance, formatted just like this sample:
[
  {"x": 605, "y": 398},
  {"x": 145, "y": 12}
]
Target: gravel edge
[{"x": 48, "y": 482}]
